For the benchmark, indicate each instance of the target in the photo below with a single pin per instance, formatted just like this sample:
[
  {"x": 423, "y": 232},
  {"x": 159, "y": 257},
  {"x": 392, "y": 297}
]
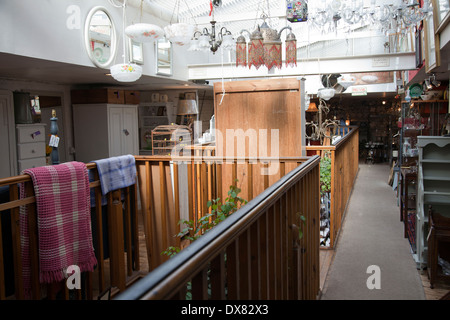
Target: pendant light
[
  {"x": 144, "y": 32},
  {"x": 125, "y": 72},
  {"x": 179, "y": 33}
]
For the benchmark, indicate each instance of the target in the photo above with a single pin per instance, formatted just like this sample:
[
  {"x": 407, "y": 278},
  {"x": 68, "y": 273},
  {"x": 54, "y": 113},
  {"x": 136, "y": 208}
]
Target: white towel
[{"x": 116, "y": 172}]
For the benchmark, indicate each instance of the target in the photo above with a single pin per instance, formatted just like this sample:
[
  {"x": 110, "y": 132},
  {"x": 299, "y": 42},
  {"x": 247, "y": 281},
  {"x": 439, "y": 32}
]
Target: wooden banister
[
  {"x": 269, "y": 219},
  {"x": 122, "y": 230}
]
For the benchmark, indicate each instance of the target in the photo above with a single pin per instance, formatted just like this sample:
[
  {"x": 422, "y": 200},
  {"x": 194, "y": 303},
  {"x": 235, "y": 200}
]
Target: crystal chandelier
[{"x": 327, "y": 15}]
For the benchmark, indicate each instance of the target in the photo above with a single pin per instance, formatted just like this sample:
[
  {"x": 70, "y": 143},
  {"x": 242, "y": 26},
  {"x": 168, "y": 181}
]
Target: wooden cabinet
[
  {"x": 105, "y": 130},
  {"x": 30, "y": 146}
]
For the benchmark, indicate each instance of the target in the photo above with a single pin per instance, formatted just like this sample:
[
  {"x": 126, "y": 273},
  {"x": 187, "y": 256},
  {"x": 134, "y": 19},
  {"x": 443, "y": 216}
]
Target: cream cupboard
[
  {"x": 105, "y": 130},
  {"x": 30, "y": 145}
]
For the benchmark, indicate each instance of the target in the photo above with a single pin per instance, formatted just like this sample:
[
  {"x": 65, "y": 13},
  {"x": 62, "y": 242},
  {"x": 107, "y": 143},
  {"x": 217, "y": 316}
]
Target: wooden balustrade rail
[
  {"x": 344, "y": 168},
  {"x": 110, "y": 275},
  {"x": 256, "y": 253},
  {"x": 174, "y": 188}
]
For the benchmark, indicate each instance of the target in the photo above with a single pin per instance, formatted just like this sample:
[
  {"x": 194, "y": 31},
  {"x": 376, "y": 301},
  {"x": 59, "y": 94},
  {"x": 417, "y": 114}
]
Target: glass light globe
[
  {"x": 228, "y": 42},
  {"x": 144, "y": 32},
  {"x": 126, "y": 72}
]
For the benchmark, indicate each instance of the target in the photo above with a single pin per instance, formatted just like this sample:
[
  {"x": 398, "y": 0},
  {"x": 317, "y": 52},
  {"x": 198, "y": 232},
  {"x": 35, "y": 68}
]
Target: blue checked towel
[{"x": 116, "y": 172}]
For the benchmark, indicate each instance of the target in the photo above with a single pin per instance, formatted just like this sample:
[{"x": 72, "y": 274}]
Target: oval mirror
[{"x": 100, "y": 37}]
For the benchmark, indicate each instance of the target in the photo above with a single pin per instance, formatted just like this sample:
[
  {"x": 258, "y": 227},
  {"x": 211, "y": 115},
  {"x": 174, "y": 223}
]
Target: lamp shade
[
  {"x": 272, "y": 54},
  {"x": 241, "y": 52},
  {"x": 187, "y": 107},
  {"x": 256, "y": 50},
  {"x": 326, "y": 93},
  {"x": 291, "y": 50},
  {"x": 144, "y": 32},
  {"x": 179, "y": 33},
  {"x": 312, "y": 107},
  {"x": 126, "y": 72}
]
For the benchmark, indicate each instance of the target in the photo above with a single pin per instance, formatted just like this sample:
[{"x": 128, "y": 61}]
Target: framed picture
[
  {"x": 432, "y": 52},
  {"x": 189, "y": 95},
  {"x": 136, "y": 52}
]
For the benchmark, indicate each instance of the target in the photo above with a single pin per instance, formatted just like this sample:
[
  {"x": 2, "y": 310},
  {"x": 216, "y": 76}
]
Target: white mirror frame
[
  {"x": 157, "y": 57},
  {"x": 87, "y": 43}
]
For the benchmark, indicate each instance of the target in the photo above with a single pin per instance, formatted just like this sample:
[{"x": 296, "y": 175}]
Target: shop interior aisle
[{"x": 372, "y": 259}]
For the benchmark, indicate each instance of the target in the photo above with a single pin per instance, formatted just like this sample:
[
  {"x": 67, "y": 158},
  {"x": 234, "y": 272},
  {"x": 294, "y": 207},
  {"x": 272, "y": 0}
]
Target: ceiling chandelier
[
  {"x": 265, "y": 47},
  {"x": 206, "y": 40},
  {"x": 327, "y": 15}
]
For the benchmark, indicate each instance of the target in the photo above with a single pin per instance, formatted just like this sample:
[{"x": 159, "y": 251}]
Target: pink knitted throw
[{"x": 63, "y": 218}]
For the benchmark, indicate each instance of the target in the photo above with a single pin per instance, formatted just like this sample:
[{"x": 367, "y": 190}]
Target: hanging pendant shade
[
  {"x": 144, "y": 32},
  {"x": 179, "y": 33},
  {"x": 272, "y": 54},
  {"x": 256, "y": 50},
  {"x": 291, "y": 50},
  {"x": 126, "y": 72},
  {"x": 272, "y": 46},
  {"x": 241, "y": 52}
]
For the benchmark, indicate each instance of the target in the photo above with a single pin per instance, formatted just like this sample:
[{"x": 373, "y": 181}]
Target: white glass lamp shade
[
  {"x": 326, "y": 93},
  {"x": 228, "y": 42},
  {"x": 346, "y": 81},
  {"x": 203, "y": 42},
  {"x": 179, "y": 33},
  {"x": 194, "y": 45},
  {"x": 126, "y": 72},
  {"x": 187, "y": 107},
  {"x": 369, "y": 78},
  {"x": 144, "y": 32}
]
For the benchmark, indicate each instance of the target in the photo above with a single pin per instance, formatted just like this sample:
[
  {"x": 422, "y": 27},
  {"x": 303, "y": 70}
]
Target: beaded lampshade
[
  {"x": 241, "y": 52},
  {"x": 256, "y": 50},
  {"x": 291, "y": 50}
]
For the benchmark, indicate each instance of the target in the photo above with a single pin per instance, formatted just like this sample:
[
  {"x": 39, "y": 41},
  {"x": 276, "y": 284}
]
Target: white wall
[{"x": 54, "y": 30}]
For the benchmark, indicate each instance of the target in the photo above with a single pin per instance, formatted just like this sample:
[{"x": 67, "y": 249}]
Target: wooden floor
[{"x": 439, "y": 290}]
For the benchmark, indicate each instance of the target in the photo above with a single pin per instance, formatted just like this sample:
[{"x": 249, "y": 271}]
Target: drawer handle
[{"x": 32, "y": 151}]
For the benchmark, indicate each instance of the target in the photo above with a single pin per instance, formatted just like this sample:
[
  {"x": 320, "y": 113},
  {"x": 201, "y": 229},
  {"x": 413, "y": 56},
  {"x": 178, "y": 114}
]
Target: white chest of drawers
[{"x": 30, "y": 146}]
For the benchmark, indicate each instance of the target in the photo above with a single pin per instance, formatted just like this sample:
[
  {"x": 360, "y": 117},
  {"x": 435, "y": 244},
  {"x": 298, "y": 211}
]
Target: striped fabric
[
  {"x": 63, "y": 218},
  {"x": 116, "y": 172}
]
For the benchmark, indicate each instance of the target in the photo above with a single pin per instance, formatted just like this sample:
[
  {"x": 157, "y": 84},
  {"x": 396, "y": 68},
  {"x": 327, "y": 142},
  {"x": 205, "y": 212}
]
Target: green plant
[
  {"x": 325, "y": 174},
  {"x": 219, "y": 212}
]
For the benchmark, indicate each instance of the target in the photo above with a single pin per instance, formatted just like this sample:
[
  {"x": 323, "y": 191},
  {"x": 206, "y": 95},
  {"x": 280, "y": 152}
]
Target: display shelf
[{"x": 433, "y": 187}]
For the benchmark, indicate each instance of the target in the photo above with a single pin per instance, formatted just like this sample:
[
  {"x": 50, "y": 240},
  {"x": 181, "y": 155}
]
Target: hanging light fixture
[
  {"x": 125, "y": 72},
  {"x": 256, "y": 50},
  {"x": 241, "y": 51},
  {"x": 265, "y": 47},
  {"x": 291, "y": 50},
  {"x": 144, "y": 32},
  {"x": 208, "y": 41},
  {"x": 179, "y": 33}
]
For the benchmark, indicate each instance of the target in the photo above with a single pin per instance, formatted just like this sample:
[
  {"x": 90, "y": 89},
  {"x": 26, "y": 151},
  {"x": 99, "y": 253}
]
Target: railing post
[{"x": 116, "y": 240}]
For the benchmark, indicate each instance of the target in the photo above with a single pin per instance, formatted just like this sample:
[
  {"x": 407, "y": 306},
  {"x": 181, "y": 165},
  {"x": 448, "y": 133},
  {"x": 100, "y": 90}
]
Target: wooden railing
[
  {"x": 344, "y": 168},
  {"x": 115, "y": 236},
  {"x": 174, "y": 188},
  {"x": 256, "y": 253}
]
